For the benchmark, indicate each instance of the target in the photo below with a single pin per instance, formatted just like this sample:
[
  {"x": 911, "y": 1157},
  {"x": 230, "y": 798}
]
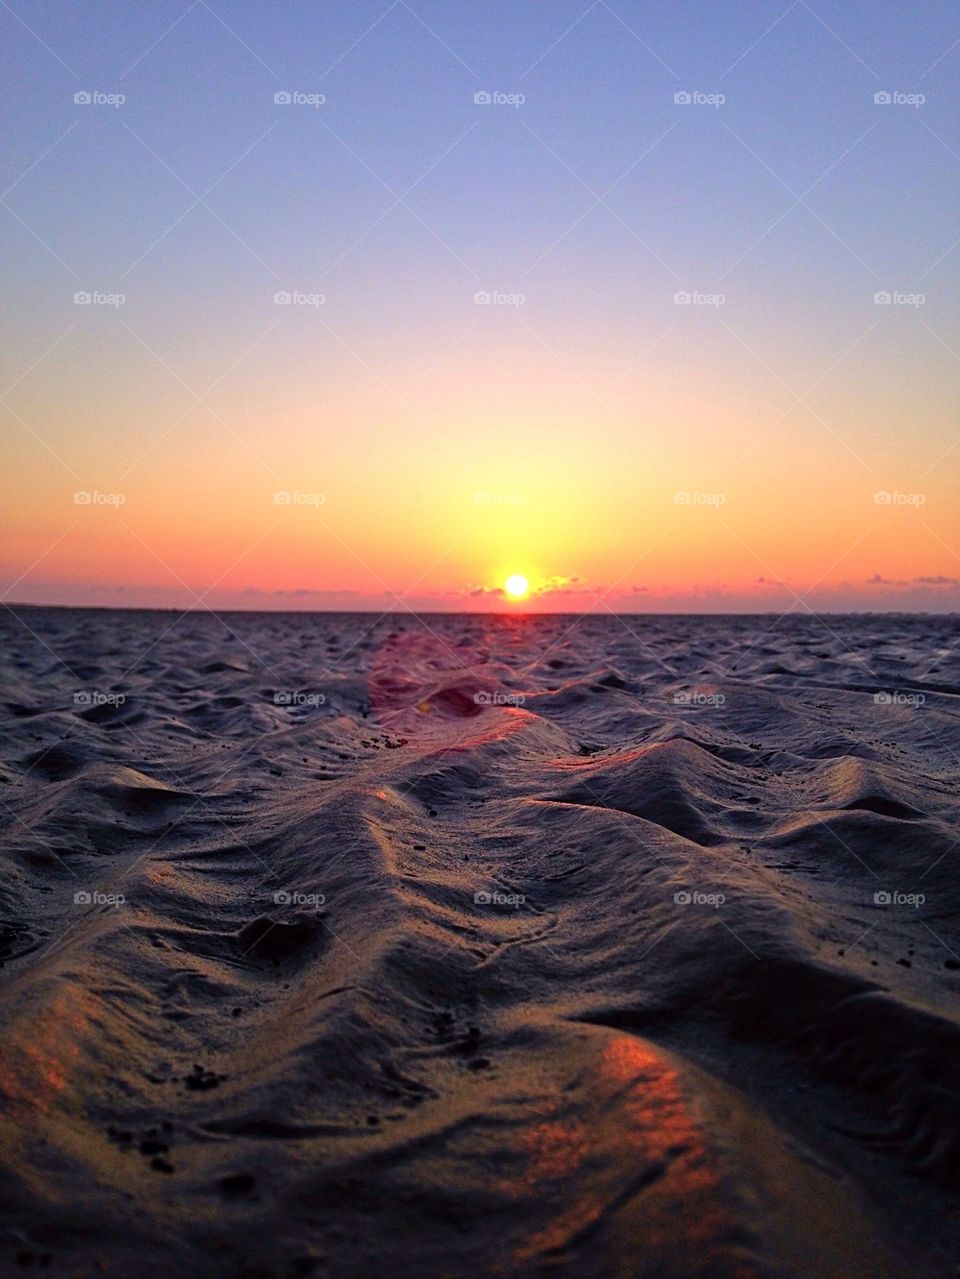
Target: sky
[{"x": 375, "y": 305}]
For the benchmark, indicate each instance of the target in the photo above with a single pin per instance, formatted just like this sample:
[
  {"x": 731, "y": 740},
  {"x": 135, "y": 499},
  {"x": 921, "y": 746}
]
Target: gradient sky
[{"x": 621, "y": 449}]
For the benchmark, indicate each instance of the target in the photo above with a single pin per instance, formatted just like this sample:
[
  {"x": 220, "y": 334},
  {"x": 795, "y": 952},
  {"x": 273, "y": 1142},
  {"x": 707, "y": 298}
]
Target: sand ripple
[{"x": 477, "y": 946}]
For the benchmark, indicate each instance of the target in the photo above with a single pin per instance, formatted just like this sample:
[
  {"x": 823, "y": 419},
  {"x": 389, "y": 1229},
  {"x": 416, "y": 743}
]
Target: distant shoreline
[{"x": 477, "y": 612}]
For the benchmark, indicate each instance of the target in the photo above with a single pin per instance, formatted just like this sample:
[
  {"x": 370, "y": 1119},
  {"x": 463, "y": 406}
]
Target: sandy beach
[{"x": 479, "y": 946}]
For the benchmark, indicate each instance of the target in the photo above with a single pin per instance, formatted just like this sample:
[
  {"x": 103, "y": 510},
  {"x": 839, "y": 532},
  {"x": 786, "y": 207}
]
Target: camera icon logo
[
  {"x": 283, "y": 98},
  {"x": 82, "y": 898},
  {"x": 282, "y": 898},
  {"x": 482, "y": 298},
  {"x": 682, "y": 99},
  {"x": 882, "y": 99},
  {"x": 881, "y": 899},
  {"x": 682, "y": 898},
  {"x": 482, "y": 898},
  {"x": 282, "y": 298},
  {"x": 483, "y": 98},
  {"x": 82, "y": 298},
  {"x": 82, "y": 99},
  {"x": 883, "y": 298}
]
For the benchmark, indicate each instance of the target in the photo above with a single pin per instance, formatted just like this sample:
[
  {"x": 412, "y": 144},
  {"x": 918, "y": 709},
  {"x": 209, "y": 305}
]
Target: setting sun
[{"x": 517, "y": 587}]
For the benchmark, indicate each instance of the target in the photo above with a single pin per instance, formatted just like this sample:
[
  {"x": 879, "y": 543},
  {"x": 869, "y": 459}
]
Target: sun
[{"x": 517, "y": 587}]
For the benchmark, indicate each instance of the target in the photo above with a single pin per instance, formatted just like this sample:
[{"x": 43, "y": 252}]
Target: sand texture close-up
[{"x": 477, "y": 945}]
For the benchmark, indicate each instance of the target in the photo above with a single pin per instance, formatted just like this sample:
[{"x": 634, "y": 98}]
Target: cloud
[
  {"x": 296, "y": 593},
  {"x": 931, "y": 579},
  {"x": 550, "y": 586}
]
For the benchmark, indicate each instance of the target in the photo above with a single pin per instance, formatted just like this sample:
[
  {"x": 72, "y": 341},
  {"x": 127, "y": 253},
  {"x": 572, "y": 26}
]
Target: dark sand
[{"x": 500, "y": 1045}]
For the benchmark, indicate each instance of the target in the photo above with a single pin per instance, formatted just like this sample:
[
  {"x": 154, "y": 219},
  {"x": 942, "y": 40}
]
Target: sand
[{"x": 470, "y": 946}]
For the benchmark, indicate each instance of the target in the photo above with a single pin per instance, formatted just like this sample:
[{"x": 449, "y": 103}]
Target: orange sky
[{"x": 675, "y": 505}]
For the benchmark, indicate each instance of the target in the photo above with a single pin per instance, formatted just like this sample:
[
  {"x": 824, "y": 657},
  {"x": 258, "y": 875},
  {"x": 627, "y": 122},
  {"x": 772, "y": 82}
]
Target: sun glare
[{"x": 517, "y": 587}]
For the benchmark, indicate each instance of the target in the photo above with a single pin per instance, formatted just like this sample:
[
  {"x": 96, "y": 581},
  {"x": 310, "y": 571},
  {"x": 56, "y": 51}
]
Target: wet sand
[{"x": 463, "y": 946}]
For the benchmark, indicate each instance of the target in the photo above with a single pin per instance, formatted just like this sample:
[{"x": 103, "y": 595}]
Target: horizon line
[{"x": 476, "y": 612}]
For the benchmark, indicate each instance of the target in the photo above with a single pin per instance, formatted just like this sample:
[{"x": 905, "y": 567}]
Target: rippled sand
[{"x": 464, "y": 946}]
